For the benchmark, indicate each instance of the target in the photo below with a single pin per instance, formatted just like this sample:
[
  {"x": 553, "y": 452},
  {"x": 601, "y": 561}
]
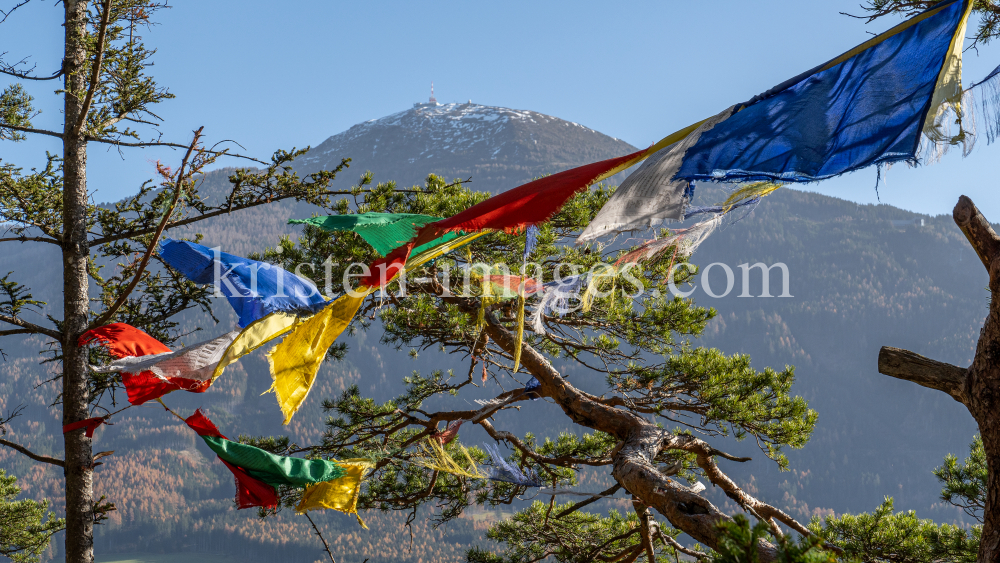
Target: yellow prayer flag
[
  {"x": 257, "y": 334},
  {"x": 339, "y": 494},
  {"x": 296, "y": 359}
]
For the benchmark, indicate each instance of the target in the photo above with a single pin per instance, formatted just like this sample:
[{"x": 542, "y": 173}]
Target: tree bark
[
  {"x": 635, "y": 466},
  {"x": 978, "y": 387},
  {"x": 76, "y": 304}
]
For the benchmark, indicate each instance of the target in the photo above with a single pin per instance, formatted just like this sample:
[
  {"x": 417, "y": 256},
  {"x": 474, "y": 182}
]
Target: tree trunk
[
  {"x": 76, "y": 305},
  {"x": 983, "y": 383},
  {"x": 978, "y": 387}
]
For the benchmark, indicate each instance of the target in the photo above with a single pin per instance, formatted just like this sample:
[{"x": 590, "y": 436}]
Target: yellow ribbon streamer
[{"x": 437, "y": 459}]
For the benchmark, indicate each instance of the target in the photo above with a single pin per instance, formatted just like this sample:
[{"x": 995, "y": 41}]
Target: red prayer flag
[
  {"x": 123, "y": 340},
  {"x": 513, "y": 210},
  {"x": 90, "y": 424},
  {"x": 250, "y": 492},
  {"x": 126, "y": 341}
]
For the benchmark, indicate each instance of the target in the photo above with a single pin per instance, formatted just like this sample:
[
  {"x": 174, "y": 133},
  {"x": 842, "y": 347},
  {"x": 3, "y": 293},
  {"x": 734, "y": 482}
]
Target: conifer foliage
[
  {"x": 108, "y": 98},
  {"x": 645, "y": 431}
]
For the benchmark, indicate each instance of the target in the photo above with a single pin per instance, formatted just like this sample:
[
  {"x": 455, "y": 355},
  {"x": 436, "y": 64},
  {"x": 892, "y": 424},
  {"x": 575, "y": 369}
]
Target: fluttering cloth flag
[
  {"x": 449, "y": 433},
  {"x": 555, "y": 296},
  {"x": 513, "y": 210},
  {"x": 126, "y": 342},
  {"x": 250, "y": 491},
  {"x": 651, "y": 195},
  {"x": 871, "y": 105},
  {"x": 157, "y": 371},
  {"x": 189, "y": 369},
  {"x": 255, "y": 335},
  {"x": 504, "y": 471},
  {"x": 90, "y": 424},
  {"x": 296, "y": 359},
  {"x": 258, "y": 467},
  {"x": 339, "y": 494},
  {"x": 253, "y": 288},
  {"x": 384, "y": 231},
  {"x": 123, "y": 340}
]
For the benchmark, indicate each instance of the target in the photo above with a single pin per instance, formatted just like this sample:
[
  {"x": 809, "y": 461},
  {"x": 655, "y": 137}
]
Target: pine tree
[
  {"x": 108, "y": 98},
  {"x": 25, "y": 525},
  {"x": 646, "y": 433}
]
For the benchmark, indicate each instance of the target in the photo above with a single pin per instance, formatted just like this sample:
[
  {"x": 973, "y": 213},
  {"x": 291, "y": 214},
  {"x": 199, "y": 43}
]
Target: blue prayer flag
[
  {"x": 254, "y": 289},
  {"x": 869, "y": 108}
]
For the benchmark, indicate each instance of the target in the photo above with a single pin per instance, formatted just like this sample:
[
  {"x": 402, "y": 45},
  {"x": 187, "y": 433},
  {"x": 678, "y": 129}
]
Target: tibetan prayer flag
[
  {"x": 249, "y": 491},
  {"x": 513, "y": 210},
  {"x": 253, "y": 288},
  {"x": 262, "y": 465},
  {"x": 123, "y": 340},
  {"x": 152, "y": 376},
  {"x": 254, "y": 336},
  {"x": 90, "y": 424},
  {"x": 652, "y": 194},
  {"x": 339, "y": 494},
  {"x": 384, "y": 231},
  {"x": 296, "y": 359},
  {"x": 874, "y": 104}
]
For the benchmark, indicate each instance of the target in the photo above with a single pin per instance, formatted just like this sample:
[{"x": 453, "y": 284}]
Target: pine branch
[
  {"x": 32, "y": 455},
  {"x": 216, "y": 213},
  {"x": 95, "y": 76},
  {"x": 141, "y": 268},
  {"x": 326, "y": 546},
  {"x": 33, "y": 328}
]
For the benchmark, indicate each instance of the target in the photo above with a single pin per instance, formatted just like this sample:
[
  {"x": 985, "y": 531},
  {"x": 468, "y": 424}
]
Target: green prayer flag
[
  {"x": 384, "y": 231},
  {"x": 272, "y": 469}
]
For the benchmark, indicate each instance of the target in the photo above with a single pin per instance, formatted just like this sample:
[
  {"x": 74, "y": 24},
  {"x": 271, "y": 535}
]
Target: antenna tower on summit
[{"x": 433, "y": 100}]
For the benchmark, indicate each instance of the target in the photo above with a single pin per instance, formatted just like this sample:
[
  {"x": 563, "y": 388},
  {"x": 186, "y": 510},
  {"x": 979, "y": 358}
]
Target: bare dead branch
[
  {"x": 591, "y": 500},
  {"x": 326, "y": 546},
  {"x": 910, "y": 366},
  {"x": 32, "y": 455},
  {"x": 977, "y": 229}
]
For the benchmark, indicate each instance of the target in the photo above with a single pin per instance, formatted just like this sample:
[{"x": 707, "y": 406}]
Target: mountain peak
[{"x": 498, "y": 147}]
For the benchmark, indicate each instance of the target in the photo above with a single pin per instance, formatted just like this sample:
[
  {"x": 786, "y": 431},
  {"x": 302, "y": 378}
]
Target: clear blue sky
[{"x": 292, "y": 74}]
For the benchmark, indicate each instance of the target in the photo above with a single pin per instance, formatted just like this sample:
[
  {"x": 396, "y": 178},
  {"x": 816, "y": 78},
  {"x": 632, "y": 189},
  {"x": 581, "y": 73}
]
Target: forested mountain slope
[{"x": 857, "y": 281}]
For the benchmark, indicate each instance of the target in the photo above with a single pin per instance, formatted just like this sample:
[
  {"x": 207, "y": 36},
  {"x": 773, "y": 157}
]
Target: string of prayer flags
[
  {"x": 385, "y": 232},
  {"x": 253, "y": 288},
  {"x": 529, "y": 204},
  {"x": 339, "y": 494},
  {"x": 876, "y": 103},
  {"x": 506, "y": 472}
]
